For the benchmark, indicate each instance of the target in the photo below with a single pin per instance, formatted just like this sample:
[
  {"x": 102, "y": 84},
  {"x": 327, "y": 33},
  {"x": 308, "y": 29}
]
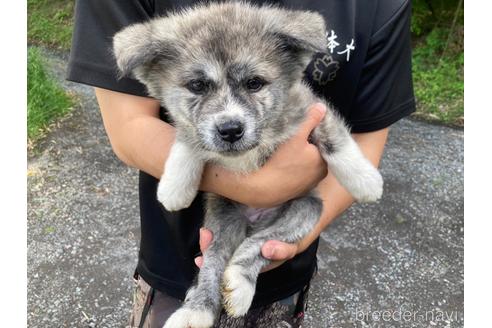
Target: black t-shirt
[{"x": 365, "y": 73}]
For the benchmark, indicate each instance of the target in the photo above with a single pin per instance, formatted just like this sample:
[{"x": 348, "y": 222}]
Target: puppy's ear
[
  {"x": 139, "y": 44},
  {"x": 300, "y": 33}
]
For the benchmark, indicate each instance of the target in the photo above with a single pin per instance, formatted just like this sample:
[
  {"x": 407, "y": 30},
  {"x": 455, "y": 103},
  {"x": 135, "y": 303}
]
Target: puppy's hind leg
[
  {"x": 293, "y": 222},
  {"x": 203, "y": 300},
  {"x": 345, "y": 159}
]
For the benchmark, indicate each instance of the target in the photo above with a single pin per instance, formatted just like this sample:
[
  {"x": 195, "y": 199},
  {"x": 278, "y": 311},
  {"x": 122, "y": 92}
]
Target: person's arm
[
  {"x": 135, "y": 131},
  {"x": 142, "y": 140},
  {"x": 335, "y": 201}
]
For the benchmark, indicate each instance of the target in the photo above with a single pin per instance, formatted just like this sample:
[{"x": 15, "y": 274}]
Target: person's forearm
[
  {"x": 146, "y": 144},
  {"x": 228, "y": 184},
  {"x": 137, "y": 135}
]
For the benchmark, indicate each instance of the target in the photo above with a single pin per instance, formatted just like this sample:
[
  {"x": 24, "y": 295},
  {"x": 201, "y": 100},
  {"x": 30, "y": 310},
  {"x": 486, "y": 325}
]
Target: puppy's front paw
[
  {"x": 237, "y": 291},
  {"x": 174, "y": 196},
  {"x": 190, "y": 318},
  {"x": 369, "y": 186}
]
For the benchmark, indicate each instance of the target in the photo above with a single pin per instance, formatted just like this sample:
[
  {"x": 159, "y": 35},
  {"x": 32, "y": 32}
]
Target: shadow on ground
[{"x": 398, "y": 263}]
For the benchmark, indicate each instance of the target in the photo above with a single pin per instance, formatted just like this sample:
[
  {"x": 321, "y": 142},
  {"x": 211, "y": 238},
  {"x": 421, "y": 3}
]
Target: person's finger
[
  {"x": 271, "y": 266},
  {"x": 277, "y": 251},
  {"x": 199, "y": 261},
  {"x": 206, "y": 237},
  {"x": 314, "y": 116}
]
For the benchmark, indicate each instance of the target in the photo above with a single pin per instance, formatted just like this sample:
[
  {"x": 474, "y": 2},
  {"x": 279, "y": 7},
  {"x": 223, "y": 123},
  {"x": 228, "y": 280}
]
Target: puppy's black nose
[{"x": 231, "y": 131}]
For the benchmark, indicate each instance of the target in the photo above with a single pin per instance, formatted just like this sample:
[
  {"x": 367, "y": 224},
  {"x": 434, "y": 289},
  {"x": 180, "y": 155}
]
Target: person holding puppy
[{"x": 365, "y": 72}]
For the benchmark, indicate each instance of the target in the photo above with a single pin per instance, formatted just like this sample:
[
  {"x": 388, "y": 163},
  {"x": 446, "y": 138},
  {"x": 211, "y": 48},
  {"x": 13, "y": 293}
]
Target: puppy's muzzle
[{"x": 230, "y": 131}]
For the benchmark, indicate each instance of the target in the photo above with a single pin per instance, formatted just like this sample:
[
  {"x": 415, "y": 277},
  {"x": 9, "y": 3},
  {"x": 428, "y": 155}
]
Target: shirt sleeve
[
  {"x": 91, "y": 59},
  {"x": 385, "y": 92}
]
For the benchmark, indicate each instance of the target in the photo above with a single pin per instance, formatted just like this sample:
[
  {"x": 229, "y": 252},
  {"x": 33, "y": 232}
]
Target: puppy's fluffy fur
[{"x": 230, "y": 76}]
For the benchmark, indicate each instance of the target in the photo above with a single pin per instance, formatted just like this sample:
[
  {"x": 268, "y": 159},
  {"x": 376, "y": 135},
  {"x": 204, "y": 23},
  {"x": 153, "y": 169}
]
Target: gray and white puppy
[{"x": 230, "y": 76}]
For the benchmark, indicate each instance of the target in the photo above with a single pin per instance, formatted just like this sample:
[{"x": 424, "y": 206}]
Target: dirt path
[{"x": 403, "y": 254}]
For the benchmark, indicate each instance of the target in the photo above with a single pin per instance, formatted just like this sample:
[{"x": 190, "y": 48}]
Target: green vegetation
[
  {"x": 49, "y": 23},
  {"x": 46, "y": 100},
  {"x": 438, "y": 60}
]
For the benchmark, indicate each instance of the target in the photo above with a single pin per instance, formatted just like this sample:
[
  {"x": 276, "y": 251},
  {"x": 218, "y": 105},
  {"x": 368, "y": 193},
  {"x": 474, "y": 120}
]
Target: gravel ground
[{"x": 398, "y": 263}]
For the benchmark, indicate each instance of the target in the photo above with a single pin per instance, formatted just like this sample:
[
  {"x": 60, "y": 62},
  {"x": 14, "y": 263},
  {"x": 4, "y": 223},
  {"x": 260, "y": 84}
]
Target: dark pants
[{"x": 151, "y": 308}]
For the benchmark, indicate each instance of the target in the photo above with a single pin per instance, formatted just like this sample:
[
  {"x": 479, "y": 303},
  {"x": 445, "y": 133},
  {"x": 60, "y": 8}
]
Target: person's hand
[
  {"x": 276, "y": 251},
  {"x": 279, "y": 252},
  {"x": 206, "y": 238},
  {"x": 295, "y": 168}
]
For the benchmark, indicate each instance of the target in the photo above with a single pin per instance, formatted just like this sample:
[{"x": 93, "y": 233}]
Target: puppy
[{"x": 230, "y": 76}]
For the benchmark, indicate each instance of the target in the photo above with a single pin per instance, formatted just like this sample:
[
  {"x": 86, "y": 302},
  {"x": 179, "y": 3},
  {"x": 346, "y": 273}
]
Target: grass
[
  {"x": 439, "y": 81},
  {"x": 49, "y": 23},
  {"x": 438, "y": 61},
  {"x": 46, "y": 99}
]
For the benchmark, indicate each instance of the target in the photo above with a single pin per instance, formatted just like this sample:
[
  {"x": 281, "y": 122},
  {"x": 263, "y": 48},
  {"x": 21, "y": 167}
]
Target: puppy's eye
[
  {"x": 255, "y": 84},
  {"x": 198, "y": 86}
]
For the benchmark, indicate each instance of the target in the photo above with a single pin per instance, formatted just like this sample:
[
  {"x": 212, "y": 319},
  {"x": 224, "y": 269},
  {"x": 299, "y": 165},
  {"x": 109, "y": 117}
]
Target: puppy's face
[
  {"x": 227, "y": 101},
  {"x": 222, "y": 71}
]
